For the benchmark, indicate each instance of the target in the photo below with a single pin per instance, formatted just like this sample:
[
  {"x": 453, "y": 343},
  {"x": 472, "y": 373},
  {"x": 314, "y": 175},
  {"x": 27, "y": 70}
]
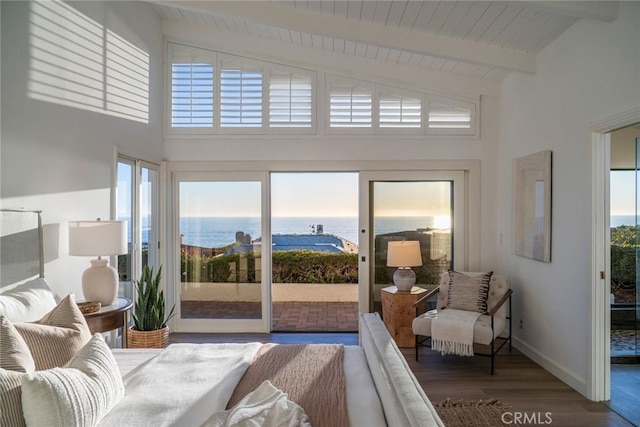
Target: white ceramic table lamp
[
  {"x": 98, "y": 238},
  {"x": 404, "y": 255}
]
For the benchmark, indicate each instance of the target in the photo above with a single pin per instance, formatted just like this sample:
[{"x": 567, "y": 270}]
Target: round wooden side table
[{"x": 111, "y": 317}]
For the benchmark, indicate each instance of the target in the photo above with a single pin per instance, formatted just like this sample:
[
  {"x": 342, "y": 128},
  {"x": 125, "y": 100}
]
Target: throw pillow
[
  {"x": 57, "y": 337},
  {"x": 78, "y": 394},
  {"x": 27, "y": 302},
  {"x": 14, "y": 352},
  {"x": 468, "y": 292},
  {"x": 11, "y": 398}
]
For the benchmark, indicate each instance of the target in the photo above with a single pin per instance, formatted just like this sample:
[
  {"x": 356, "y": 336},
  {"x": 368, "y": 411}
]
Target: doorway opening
[
  {"x": 314, "y": 251},
  {"x": 624, "y": 208}
]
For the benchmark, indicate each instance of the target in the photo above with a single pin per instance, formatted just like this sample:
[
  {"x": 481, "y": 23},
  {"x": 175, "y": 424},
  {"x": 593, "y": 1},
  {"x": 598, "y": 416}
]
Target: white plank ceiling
[{"x": 499, "y": 27}]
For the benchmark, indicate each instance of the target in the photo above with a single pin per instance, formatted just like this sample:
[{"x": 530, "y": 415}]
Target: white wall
[
  {"x": 623, "y": 147},
  {"x": 589, "y": 73},
  {"x": 59, "y": 159}
]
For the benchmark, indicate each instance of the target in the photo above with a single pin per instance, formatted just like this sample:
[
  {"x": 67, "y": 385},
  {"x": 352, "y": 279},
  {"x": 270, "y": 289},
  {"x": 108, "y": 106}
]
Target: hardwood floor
[{"x": 518, "y": 381}]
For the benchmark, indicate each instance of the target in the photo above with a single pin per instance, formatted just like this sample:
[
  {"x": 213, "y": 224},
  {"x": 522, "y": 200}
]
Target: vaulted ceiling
[{"x": 472, "y": 41}]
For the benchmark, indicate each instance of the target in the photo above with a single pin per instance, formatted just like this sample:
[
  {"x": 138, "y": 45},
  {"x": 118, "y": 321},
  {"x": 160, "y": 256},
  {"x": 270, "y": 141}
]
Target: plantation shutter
[
  {"x": 400, "y": 112},
  {"x": 240, "y": 97},
  {"x": 192, "y": 78},
  {"x": 290, "y": 101},
  {"x": 350, "y": 107},
  {"x": 444, "y": 116}
]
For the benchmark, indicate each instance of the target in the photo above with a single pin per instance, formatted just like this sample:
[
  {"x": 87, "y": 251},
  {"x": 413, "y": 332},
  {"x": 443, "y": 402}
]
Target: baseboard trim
[{"x": 563, "y": 374}]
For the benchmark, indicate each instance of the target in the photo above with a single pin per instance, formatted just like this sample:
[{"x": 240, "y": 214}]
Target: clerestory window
[{"x": 213, "y": 92}]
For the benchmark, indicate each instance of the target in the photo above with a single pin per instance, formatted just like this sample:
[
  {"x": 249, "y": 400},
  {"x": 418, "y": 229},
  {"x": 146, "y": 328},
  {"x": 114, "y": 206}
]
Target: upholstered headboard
[
  {"x": 21, "y": 246},
  {"x": 402, "y": 397}
]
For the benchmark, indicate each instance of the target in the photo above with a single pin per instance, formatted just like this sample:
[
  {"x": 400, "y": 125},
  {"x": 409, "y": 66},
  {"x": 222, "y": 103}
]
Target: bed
[{"x": 189, "y": 384}]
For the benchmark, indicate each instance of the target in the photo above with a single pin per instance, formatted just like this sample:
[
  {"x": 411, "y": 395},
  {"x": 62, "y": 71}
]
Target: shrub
[
  {"x": 623, "y": 257},
  {"x": 314, "y": 267}
]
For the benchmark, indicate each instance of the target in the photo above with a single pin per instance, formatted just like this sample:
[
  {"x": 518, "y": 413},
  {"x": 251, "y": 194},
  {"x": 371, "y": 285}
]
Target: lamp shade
[
  {"x": 404, "y": 254},
  {"x": 97, "y": 238}
]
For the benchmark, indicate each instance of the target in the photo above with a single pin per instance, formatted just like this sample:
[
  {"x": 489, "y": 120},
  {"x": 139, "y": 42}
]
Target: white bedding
[
  {"x": 181, "y": 386},
  {"x": 363, "y": 402}
]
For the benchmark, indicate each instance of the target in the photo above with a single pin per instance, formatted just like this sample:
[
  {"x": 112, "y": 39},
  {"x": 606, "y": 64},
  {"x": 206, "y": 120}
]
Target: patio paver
[{"x": 290, "y": 316}]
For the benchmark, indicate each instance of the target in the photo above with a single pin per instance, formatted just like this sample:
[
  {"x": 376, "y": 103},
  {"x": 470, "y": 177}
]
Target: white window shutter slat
[
  {"x": 400, "y": 112},
  {"x": 290, "y": 101},
  {"x": 443, "y": 116},
  {"x": 191, "y": 93},
  {"x": 240, "y": 97},
  {"x": 350, "y": 107}
]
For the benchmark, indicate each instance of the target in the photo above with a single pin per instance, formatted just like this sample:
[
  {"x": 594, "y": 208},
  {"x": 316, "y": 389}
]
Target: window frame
[
  {"x": 403, "y": 93},
  {"x": 283, "y": 69},
  {"x": 321, "y": 83},
  {"x": 331, "y": 81},
  {"x": 454, "y": 102},
  {"x": 255, "y": 66},
  {"x": 187, "y": 50}
]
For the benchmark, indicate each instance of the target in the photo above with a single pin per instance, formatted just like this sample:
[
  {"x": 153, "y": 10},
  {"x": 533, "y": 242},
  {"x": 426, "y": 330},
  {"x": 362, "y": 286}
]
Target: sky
[
  {"x": 623, "y": 201},
  {"x": 332, "y": 195},
  {"x": 322, "y": 194}
]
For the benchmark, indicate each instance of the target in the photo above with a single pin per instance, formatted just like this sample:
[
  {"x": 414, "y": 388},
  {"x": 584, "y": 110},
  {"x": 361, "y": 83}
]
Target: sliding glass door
[
  {"x": 222, "y": 246},
  {"x": 427, "y": 207},
  {"x": 225, "y": 247}
]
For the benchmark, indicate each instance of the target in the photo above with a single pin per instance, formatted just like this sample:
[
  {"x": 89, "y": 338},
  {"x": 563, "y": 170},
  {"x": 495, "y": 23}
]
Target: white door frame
[
  {"x": 223, "y": 325},
  {"x": 598, "y": 358},
  {"x": 472, "y": 183}
]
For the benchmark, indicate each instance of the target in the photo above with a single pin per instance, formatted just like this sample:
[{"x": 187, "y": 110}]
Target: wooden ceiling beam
[
  {"x": 414, "y": 42},
  {"x": 606, "y": 11},
  {"x": 389, "y": 73}
]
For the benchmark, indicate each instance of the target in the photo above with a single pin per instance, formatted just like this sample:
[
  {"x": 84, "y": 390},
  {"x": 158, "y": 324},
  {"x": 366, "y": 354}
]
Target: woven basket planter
[{"x": 148, "y": 339}]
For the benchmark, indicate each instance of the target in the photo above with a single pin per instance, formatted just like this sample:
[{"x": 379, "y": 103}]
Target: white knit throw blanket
[{"x": 452, "y": 331}]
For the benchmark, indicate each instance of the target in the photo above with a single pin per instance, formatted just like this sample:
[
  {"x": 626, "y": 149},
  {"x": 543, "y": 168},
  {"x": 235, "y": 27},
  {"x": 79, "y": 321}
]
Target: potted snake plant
[{"x": 149, "y": 328}]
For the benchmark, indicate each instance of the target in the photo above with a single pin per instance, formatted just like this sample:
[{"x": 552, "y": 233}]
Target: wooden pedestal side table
[
  {"x": 111, "y": 317},
  {"x": 398, "y": 313}
]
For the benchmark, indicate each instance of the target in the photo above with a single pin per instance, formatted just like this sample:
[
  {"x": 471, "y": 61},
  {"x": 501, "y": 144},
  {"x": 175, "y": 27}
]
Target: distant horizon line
[{"x": 304, "y": 216}]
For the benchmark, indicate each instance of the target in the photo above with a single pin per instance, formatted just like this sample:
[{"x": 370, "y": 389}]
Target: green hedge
[
  {"x": 207, "y": 269},
  {"x": 287, "y": 267},
  {"x": 623, "y": 256},
  {"x": 314, "y": 267}
]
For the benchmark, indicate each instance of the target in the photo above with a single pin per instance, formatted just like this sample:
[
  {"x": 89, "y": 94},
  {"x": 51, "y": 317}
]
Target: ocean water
[
  {"x": 216, "y": 232},
  {"x": 617, "y": 220}
]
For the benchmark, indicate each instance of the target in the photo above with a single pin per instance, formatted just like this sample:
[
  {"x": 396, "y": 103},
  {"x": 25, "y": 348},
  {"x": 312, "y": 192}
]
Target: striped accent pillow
[
  {"x": 79, "y": 394},
  {"x": 11, "y": 398},
  {"x": 14, "y": 352},
  {"x": 468, "y": 293},
  {"x": 57, "y": 337}
]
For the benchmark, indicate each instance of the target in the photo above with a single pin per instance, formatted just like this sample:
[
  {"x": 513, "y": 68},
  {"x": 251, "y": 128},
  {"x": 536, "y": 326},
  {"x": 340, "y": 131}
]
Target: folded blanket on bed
[
  {"x": 266, "y": 406},
  {"x": 452, "y": 331},
  {"x": 311, "y": 375},
  {"x": 182, "y": 386}
]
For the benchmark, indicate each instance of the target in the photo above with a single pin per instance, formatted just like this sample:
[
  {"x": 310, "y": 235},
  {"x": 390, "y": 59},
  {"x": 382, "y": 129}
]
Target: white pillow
[
  {"x": 78, "y": 394},
  {"x": 27, "y": 302}
]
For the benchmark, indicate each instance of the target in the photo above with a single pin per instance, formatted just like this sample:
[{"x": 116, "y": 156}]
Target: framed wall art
[{"x": 532, "y": 206}]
